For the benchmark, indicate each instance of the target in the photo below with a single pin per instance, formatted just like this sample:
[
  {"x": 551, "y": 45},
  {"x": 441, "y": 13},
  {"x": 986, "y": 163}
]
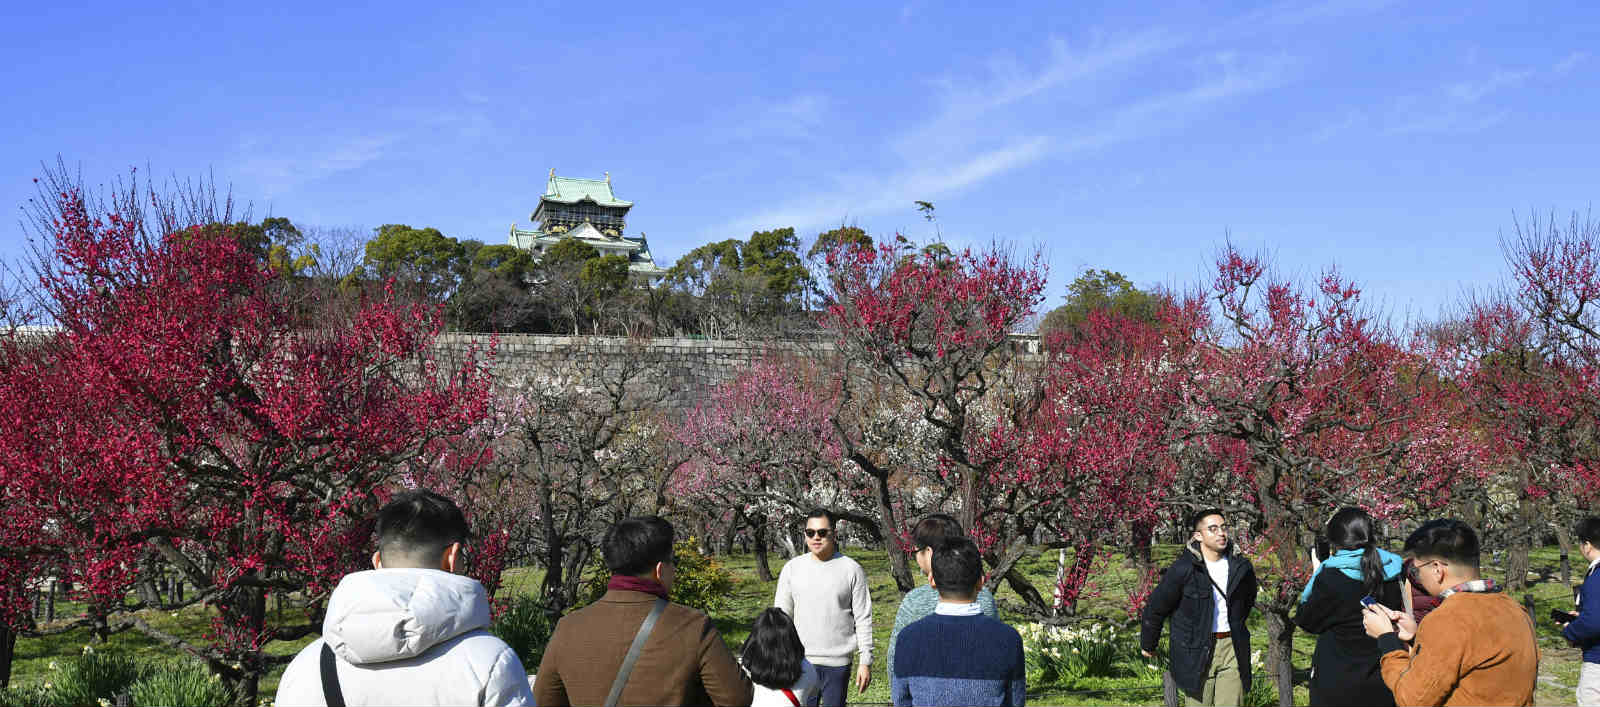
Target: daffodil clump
[{"x": 1057, "y": 653}]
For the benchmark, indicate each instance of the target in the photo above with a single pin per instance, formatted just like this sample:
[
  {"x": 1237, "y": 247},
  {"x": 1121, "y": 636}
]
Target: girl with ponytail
[{"x": 1344, "y": 669}]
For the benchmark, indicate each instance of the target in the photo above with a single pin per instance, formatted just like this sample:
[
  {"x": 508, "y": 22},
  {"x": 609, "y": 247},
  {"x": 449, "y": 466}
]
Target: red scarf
[{"x": 635, "y": 584}]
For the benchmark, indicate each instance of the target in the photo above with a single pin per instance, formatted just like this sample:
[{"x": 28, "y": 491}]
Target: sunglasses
[{"x": 816, "y": 532}]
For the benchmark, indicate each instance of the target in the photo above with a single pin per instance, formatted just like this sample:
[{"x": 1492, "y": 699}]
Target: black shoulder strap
[
  {"x": 1206, "y": 570},
  {"x": 330, "y": 678},
  {"x": 633, "y": 652}
]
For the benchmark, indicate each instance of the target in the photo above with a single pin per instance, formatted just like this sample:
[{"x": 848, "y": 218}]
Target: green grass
[{"x": 1107, "y": 600}]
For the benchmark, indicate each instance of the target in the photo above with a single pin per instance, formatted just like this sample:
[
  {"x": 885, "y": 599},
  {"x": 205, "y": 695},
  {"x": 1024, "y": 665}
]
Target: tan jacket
[
  {"x": 684, "y": 662},
  {"x": 1475, "y": 649}
]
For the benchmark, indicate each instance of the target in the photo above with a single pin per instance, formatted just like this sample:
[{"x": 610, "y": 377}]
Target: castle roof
[{"x": 571, "y": 190}]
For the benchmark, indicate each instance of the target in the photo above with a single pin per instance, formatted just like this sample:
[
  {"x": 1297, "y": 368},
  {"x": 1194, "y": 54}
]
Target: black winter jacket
[
  {"x": 1184, "y": 596},
  {"x": 1344, "y": 669}
]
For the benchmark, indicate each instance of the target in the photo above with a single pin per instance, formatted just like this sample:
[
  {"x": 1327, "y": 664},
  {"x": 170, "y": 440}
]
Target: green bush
[
  {"x": 94, "y": 676},
  {"x": 699, "y": 581},
  {"x": 1059, "y": 653},
  {"x": 524, "y": 625},
  {"x": 29, "y": 696},
  {"x": 180, "y": 682}
]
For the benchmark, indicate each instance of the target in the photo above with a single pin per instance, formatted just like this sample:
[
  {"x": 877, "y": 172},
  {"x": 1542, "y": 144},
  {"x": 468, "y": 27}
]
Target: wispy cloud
[
  {"x": 796, "y": 118},
  {"x": 284, "y": 164},
  {"x": 1006, "y": 113}
]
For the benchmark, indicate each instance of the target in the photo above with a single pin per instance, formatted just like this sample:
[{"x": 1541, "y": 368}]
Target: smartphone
[
  {"x": 1561, "y": 617},
  {"x": 1367, "y": 601}
]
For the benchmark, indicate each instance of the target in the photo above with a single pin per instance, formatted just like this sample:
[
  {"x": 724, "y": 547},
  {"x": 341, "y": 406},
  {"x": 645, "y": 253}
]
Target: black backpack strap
[
  {"x": 633, "y": 652},
  {"x": 330, "y": 678}
]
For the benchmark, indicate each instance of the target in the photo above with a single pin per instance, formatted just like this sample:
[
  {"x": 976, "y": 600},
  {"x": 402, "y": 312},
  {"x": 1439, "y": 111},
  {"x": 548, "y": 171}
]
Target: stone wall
[{"x": 688, "y": 367}]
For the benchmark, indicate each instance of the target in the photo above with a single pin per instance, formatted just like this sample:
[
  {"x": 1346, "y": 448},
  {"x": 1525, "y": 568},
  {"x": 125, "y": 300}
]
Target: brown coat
[
  {"x": 1475, "y": 649},
  {"x": 684, "y": 662}
]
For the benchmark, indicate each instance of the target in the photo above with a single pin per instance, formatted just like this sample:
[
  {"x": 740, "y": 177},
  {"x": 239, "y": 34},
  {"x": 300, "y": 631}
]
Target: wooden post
[
  {"x": 1169, "y": 690},
  {"x": 1527, "y": 603}
]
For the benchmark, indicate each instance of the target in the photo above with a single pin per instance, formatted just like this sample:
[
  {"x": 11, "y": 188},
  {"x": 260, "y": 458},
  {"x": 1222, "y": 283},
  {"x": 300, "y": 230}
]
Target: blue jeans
[{"x": 835, "y": 686}]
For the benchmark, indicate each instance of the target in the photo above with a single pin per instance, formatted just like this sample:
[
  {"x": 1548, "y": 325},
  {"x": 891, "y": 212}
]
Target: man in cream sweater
[{"x": 826, "y": 595}]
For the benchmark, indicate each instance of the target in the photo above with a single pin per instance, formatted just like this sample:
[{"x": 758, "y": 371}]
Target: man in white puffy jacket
[{"x": 410, "y": 631}]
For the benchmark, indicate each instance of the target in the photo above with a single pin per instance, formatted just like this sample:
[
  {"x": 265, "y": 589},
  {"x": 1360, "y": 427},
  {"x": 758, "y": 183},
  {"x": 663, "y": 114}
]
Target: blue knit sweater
[{"x": 959, "y": 660}]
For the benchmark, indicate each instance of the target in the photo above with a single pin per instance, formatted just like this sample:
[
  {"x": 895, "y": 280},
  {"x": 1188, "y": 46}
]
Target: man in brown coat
[
  {"x": 1477, "y": 648},
  {"x": 682, "y": 662}
]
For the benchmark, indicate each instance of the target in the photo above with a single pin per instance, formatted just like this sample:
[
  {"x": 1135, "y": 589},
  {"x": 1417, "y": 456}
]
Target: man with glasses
[
  {"x": 825, "y": 593},
  {"x": 1208, "y": 592},
  {"x": 1477, "y": 648}
]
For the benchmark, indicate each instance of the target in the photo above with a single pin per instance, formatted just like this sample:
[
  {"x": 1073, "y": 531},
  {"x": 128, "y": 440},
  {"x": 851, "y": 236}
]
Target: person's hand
[
  {"x": 1315, "y": 563},
  {"x": 1375, "y": 619},
  {"x": 863, "y": 677},
  {"x": 1572, "y": 614},
  {"x": 1404, "y": 624}
]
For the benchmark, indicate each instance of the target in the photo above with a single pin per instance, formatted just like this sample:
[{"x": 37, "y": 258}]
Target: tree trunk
[
  {"x": 1140, "y": 534},
  {"x": 1564, "y": 538},
  {"x": 50, "y": 601},
  {"x": 898, "y": 567},
  {"x": 1280, "y": 654},
  {"x": 758, "y": 532},
  {"x": 1519, "y": 543},
  {"x": 731, "y": 534},
  {"x": 8, "y": 650}
]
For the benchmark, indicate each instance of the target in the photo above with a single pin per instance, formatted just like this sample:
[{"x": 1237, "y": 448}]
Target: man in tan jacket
[
  {"x": 683, "y": 661},
  {"x": 1477, "y": 648}
]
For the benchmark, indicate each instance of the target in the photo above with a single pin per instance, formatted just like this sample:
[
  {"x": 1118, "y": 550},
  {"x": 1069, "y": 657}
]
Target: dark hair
[
  {"x": 1194, "y": 520},
  {"x": 634, "y": 545},
  {"x": 934, "y": 529},
  {"x": 1352, "y": 529},
  {"x": 1447, "y": 539},
  {"x": 419, "y": 525},
  {"x": 957, "y": 568},
  {"x": 1588, "y": 530},
  {"x": 773, "y": 654},
  {"x": 820, "y": 512}
]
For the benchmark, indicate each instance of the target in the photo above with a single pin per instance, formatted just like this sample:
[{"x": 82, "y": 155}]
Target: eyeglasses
[
  {"x": 816, "y": 532},
  {"x": 1415, "y": 569},
  {"x": 1214, "y": 529}
]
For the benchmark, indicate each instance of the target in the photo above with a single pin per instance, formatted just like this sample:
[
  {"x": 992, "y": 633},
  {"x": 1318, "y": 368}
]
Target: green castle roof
[{"x": 571, "y": 190}]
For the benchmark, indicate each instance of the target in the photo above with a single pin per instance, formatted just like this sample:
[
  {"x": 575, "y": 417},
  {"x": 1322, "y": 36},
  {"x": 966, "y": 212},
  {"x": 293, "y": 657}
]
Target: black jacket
[
  {"x": 1184, "y": 596},
  {"x": 1344, "y": 669}
]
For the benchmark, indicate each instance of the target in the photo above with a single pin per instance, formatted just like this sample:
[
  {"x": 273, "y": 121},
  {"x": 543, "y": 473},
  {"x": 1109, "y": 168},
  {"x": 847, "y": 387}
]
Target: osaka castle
[{"x": 585, "y": 209}]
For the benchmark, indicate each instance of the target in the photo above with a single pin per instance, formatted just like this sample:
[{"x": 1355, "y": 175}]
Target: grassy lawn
[{"x": 1107, "y": 601}]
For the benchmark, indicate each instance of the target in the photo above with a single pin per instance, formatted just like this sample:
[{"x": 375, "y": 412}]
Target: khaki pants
[
  {"x": 1223, "y": 686},
  {"x": 1589, "y": 685}
]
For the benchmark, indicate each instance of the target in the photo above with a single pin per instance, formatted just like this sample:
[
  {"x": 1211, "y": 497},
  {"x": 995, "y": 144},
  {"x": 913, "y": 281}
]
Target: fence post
[
  {"x": 1527, "y": 603},
  {"x": 1169, "y": 690}
]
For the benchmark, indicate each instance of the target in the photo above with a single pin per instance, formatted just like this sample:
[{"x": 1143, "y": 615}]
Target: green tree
[
  {"x": 421, "y": 259},
  {"x": 1097, "y": 290},
  {"x": 841, "y": 236},
  {"x": 741, "y": 287}
]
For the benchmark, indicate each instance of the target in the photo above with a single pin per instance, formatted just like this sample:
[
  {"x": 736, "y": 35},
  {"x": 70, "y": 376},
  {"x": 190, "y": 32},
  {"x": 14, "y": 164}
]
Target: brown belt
[{"x": 1222, "y": 634}]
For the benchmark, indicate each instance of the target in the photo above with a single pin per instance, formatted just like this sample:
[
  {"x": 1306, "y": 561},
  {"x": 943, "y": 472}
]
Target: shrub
[
  {"x": 699, "y": 581},
  {"x": 29, "y": 696},
  {"x": 94, "y": 676},
  {"x": 524, "y": 625},
  {"x": 1057, "y": 653},
  {"x": 180, "y": 682}
]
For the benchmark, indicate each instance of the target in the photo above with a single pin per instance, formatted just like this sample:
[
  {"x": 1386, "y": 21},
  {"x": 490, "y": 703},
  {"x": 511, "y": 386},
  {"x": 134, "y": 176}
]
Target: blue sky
[{"x": 1396, "y": 140}]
